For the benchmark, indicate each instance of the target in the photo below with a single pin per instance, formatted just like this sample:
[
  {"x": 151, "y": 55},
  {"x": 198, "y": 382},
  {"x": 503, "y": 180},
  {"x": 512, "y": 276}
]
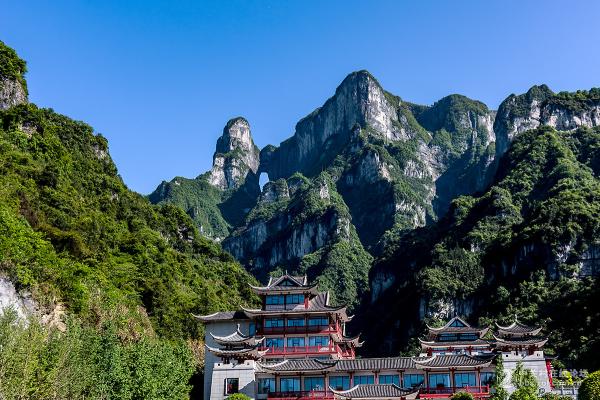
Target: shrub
[
  {"x": 462, "y": 396},
  {"x": 238, "y": 396},
  {"x": 590, "y": 387}
]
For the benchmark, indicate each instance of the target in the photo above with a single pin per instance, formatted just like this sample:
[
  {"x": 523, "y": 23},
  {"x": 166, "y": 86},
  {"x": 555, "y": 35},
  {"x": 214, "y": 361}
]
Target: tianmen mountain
[{"x": 409, "y": 214}]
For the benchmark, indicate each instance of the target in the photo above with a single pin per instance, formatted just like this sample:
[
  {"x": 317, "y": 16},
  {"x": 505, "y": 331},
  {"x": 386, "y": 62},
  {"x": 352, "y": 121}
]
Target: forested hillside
[{"x": 117, "y": 277}]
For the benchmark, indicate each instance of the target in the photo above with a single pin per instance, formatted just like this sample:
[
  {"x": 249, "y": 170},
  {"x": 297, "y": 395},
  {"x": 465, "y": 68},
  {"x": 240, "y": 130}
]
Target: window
[
  {"x": 364, "y": 380},
  {"x": 448, "y": 337},
  {"x": 274, "y": 342},
  {"x": 294, "y": 299},
  {"x": 296, "y": 322},
  {"x": 339, "y": 382},
  {"x": 413, "y": 380},
  {"x": 273, "y": 323},
  {"x": 487, "y": 378},
  {"x": 287, "y": 283},
  {"x": 318, "y": 341},
  {"x": 266, "y": 385},
  {"x": 462, "y": 379},
  {"x": 318, "y": 321},
  {"x": 389, "y": 379},
  {"x": 458, "y": 323},
  {"x": 468, "y": 336},
  {"x": 439, "y": 380},
  {"x": 295, "y": 342},
  {"x": 275, "y": 300},
  {"x": 232, "y": 385},
  {"x": 252, "y": 329},
  {"x": 289, "y": 384},
  {"x": 314, "y": 383}
]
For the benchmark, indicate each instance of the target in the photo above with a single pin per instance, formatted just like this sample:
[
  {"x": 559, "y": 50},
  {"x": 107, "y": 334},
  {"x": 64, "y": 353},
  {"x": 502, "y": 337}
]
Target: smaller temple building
[{"x": 295, "y": 347}]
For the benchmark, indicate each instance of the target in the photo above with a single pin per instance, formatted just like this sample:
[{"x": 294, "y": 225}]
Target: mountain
[
  {"x": 390, "y": 166},
  {"x": 112, "y": 278}
]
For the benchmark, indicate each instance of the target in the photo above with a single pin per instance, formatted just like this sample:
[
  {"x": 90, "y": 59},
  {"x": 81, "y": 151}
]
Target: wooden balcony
[
  {"x": 448, "y": 391},
  {"x": 303, "y": 395}
]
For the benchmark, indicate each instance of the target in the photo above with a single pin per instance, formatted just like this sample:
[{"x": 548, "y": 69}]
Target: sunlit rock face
[
  {"x": 235, "y": 156},
  {"x": 12, "y": 93},
  {"x": 540, "y": 106},
  {"x": 358, "y": 100}
]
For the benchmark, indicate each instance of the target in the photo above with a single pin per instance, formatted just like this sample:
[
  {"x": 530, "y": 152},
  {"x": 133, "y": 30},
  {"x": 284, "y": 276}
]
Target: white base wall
[
  {"x": 244, "y": 372},
  {"x": 535, "y": 362}
]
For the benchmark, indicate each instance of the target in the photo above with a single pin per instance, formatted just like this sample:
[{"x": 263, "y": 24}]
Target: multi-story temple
[{"x": 295, "y": 347}]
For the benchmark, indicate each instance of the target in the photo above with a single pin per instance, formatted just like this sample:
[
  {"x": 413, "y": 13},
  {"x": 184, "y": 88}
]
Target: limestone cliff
[
  {"x": 13, "y": 87},
  {"x": 303, "y": 226},
  {"x": 236, "y": 155},
  {"x": 540, "y": 106}
]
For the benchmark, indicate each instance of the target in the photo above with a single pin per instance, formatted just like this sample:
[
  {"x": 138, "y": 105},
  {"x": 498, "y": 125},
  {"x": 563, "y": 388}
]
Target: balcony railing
[
  {"x": 447, "y": 391},
  {"x": 290, "y": 350},
  {"x": 310, "y": 394},
  {"x": 297, "y": 329}
]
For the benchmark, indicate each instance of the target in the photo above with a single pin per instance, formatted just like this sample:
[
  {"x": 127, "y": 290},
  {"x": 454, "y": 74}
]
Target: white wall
[
  {"x": 244, "y": 372},
  {"x": 221, "y": 328},
  {"x": 535, "y": 362}
]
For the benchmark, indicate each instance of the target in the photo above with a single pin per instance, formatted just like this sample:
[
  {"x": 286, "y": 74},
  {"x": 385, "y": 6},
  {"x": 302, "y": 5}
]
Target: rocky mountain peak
[
  {"x": 320, "y": 136},
  {"x": 235, "y": 155}
]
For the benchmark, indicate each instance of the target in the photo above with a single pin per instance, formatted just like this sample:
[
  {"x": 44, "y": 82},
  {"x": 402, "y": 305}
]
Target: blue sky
[{"x": 160, "y": 79}]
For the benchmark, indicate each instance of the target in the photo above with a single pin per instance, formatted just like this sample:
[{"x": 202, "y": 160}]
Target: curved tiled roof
[
  {"x": 237, "y": 337},
  {"x": 251, "y": 352},
  {"x": 526, "y": 341},
  {"x": 319, "y": 303},
  {"x": 473, "y": 343},
  {"x": 298, "y": 364},
  {"x": 222, "y": 316},
  {"x": 375, "y": 392},
  {"x": 374, "y": 364},
  {"x": 518, "y": 328},
  {"x": 454, "y": 360},
  {"x": 456, "y": 329}
]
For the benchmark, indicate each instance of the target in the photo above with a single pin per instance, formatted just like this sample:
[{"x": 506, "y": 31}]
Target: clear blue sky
[{"x": 159, "y": 79}]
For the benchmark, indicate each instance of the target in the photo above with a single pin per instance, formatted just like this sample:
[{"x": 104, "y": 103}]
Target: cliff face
[
  {"x": 359, "y": 100},
  {"x": 303, "y": 226},
  {"x": 13, "y": 87},
  {"x": 540, "y": 106},
  {"x": 12, "y": 93}
]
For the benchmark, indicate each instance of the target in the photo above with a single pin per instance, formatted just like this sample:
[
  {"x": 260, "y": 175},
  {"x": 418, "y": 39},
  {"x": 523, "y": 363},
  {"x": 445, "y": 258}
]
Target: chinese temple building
[
  {"x": 295, "y": 347},
  {"x": 456, "y": 337}
]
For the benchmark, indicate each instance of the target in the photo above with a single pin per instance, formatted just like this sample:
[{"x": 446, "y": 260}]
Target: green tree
[
  {"x": 525, "y": 384},
  {"x": 590, "y": 387},
  {"x": 498, "y": 390}
]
